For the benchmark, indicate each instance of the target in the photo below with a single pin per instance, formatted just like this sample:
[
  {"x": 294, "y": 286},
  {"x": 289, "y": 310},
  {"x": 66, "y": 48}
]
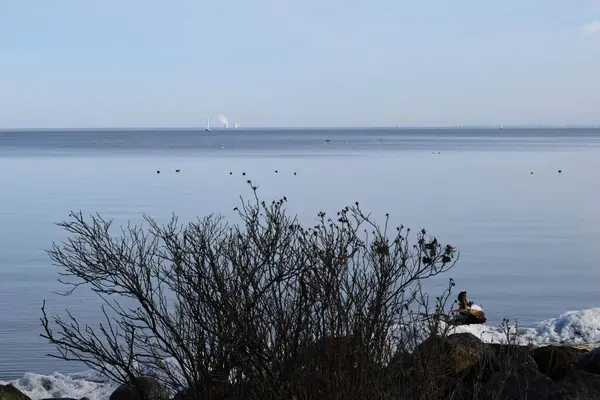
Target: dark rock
[
  {"x": 556, "y": 362},
  {"x": 341, "y": 351},
  {"x": 400, "y": 368},
  {"x": 440, "y": 387},
  {"x": 9, "y": 392},
  {"x": 402, "y": 360},
  {"x": 329, "y": 359},
  {"x": 503, "y": 358},
  {"x": 589, "y": 362},
  {"x": 454, "y": 355},
  {"x": 509, "y": 357},
  {"x": 460, "y": 392},
  {"x": 325, "y": 367},
  {"x": 142, "y": 388},
  {"x": 63, "y": 398},
  {"x": 47, "y": 384},
  {"x": 183, "y": 395},
  {"x": 210, "y": 389},
  {"x": 578, "y": 385},
  {"x": 523, "y": 383}
]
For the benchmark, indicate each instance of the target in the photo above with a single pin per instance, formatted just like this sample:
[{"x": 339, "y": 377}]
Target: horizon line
[{"x": 289, "y": 128}]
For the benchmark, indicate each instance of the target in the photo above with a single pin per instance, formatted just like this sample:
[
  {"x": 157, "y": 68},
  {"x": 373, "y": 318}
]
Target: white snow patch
[
  {"x": 572, "y": 327},
  {"x": 76, "y": 386}
]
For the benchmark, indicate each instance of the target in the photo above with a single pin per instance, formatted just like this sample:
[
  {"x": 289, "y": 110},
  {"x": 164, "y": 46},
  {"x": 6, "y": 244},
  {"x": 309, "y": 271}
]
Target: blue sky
[{"x": 128, "y": 63}]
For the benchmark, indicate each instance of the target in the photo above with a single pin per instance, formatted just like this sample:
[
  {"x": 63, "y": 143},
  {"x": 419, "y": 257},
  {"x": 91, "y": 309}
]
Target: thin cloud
[{"x": 591, "y": 29}]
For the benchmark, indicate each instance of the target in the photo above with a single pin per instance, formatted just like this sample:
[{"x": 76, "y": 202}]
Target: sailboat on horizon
[{"x": 207, "y": 129}]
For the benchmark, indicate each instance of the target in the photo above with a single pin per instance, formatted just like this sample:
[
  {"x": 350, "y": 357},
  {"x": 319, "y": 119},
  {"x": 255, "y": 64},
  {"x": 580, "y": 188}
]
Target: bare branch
[{"x": 211, "y": 308}]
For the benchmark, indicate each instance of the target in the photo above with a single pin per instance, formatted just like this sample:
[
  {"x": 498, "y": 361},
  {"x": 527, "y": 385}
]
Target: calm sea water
[{"x": 529, "y": 244}]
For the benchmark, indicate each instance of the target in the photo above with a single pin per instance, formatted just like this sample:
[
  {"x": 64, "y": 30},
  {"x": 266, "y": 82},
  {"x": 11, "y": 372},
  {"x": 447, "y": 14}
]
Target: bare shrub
[{"x": 266, "y": 308}]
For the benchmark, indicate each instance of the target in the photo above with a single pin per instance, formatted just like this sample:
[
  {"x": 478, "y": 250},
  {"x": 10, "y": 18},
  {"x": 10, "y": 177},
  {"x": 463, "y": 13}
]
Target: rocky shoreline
[
  {"x": 579, "y": 346},
  {"x": 476, "y": 370},
  {"x": 459, "y": 366}
]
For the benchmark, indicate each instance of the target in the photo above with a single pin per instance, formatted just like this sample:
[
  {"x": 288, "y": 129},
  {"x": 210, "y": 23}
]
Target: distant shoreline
[{"x": 308, "y": 128}]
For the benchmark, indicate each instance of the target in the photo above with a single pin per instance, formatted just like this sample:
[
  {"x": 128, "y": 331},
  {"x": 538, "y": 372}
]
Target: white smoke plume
[
  {"x": 591, "y": 29},
  {"x": 223, "y": 119}
]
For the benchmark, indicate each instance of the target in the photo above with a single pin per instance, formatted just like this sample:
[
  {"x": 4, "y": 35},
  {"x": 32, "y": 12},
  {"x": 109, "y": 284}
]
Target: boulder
[
  {"x": 523, "y": 383},
  {"x": 556, "y": 362},
  {"x": 327, "y": 359},
  {"x": 589, "y": 362},
  {"x": 142, "y": 388},
  {"x": 9, "y": 392},
  {"x": 63, "y": 398},
  {"x": 510, "y": 357},
  {"x": 210, "y": 390},
  {"x": 183, "y": 395},
  {"x": 440, "y": 387},
  {"x": 506, "y": 359},
  {"x": 578, "y": 385},
  {"x": 454, "y": 355},
  {"x": 340, "y": 351},
  {"x": 401, "y": 361},
  {"x": 47, "y": 384}
]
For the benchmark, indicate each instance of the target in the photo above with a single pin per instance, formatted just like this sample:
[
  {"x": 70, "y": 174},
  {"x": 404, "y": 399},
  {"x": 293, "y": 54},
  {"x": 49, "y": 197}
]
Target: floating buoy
[{"x": 158, "y": 172}]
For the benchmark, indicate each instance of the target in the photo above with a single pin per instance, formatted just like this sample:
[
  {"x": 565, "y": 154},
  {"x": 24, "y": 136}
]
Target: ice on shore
[
  {"x": 57, "y": 385},
  {"x": 572, "y": 327}
]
